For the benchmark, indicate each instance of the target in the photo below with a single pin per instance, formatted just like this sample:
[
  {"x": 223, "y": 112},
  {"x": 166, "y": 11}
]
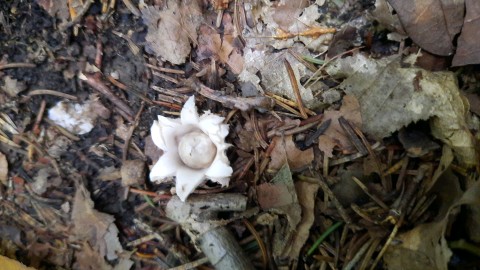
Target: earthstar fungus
[{"x": 194, "y": 149}]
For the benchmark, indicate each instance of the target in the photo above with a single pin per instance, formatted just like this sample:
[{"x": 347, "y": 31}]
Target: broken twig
[{"x": 243, "y": 104}]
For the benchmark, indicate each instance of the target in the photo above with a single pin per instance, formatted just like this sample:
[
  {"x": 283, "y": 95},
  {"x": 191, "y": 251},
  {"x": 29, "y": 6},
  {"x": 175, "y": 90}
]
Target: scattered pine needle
[{"x": 323, "y": 237}]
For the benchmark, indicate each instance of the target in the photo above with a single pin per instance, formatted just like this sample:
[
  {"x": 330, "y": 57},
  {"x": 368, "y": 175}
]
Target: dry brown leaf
[
  {"x": 468, "y": 51},
  {"x": 306, "y": 193},
  {"x": 89, "y": 259},
  {"x": 287, "y": 13},
  {"x": 93, "y": 226},
  {"x": 171, "y": 30},
  {"x": 3, "y": 169},
  {"x": 432, "y": 24},
  {"x": 211, "y": 45},
  {"x": 334, "y": 135},
  {"x": 220, "y": 47},
  {"x": 285, "y": 147}
]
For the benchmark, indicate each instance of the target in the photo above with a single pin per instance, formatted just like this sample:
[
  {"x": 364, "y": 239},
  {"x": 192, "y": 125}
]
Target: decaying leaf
[
  {"x": 432, "y": 24},
  {"x": 12, "y": 86},
  {"x": 286, "y": 151},
  {"x": 334, "y": 135},
  {"x": 468, "y": 51},
  {"x": 171, "y": 30},
  {"x": 306, "y": 193},
  {"x": 93, "y": 226},
  {"x": 283, "y": 34},
  {"x": 391, "y": 97},
  {"x": 133, "y": 172},
  {"x": 280, "y": 197},
  {"x": 270, "y": 66},
  {"x": 212, "y": 45},
  {"x": 3, "y": 169}
]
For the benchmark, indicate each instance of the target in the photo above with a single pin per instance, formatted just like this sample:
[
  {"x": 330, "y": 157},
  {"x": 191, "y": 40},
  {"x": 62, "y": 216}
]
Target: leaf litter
[{"x": 390, "y": 150}]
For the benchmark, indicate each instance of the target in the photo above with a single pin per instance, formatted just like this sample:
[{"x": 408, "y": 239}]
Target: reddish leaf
[
  {"x": 468, "y": 51},
  {"x": 432, "y": 24}
]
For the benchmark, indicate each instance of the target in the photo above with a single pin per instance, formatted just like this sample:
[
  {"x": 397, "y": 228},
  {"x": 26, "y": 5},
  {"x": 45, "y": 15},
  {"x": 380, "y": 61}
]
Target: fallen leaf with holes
[
  {"x": 392, "y": 96},
  {"x": 95, "y": 227},
  {"x": 3, "y": 169},
  {"x": 286, "y": 151},
  {"x": 432, "y": 24},
  {"x": 334, "y": 136},
  {"x": 171, "y": 30},
  {"x": 468, "y": 51}
]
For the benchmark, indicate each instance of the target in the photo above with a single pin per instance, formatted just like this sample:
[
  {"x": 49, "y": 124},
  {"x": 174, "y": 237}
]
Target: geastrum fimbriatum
[{"x": 194, "y": 149}]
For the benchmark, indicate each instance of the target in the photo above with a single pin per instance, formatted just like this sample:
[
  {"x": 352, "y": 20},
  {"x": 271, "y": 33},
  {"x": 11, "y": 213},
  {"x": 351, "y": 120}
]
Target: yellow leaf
[{"x": 9, "y": 264}]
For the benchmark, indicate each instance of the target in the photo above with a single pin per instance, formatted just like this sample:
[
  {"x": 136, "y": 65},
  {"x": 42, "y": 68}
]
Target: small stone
[{"x": 133, "y": 172}]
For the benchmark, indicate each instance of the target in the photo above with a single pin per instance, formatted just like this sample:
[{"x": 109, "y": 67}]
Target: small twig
[
  {"x": 41, "y": 110},
  {"x": 17, "y": 65},
  {"x": 348, "y": 129},
  {"x": 130, "y": 132},
  {"x": 243, "y": 104},
  {"x": 166, "y": 77},
  {"x": 372, "y": 196},
  {"x": 296, "y": 90},
  {"x": 126, "y": 89},
  {"x": 64, "y": 26},
  {"x": 288, "y": 102},
  {"x": 99, "y": 53},
  {"x": 292, "y": 131},
  {"x": 259, "y": 240},
  {"x": 166, "y": 70},
  {"x": 168, "y": 105},
  {"x": 320, "y": 130},
  {"x": 98, "y": 85},
  {"x": 191, "y": 265},
  {"x": 300, "y": 59},
  {"x": 256, "y": 131},
  {"x": 51, "y": 93}
]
